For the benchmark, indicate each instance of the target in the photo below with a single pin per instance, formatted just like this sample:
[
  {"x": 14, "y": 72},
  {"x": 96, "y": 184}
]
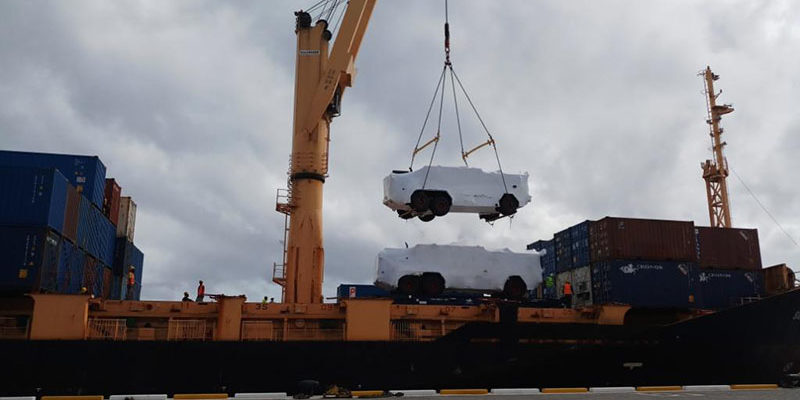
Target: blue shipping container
[
  {"x": 126, "y": 255},
  {"x": 639, "y": 283},
  {"x": 719, "y": 288},
  {"x": 86, "y": 173},
  {"x": 96, "y": 234},
  {"x": 33, "y": 197},
  {"x": 548, "y": 259},
  {"x": 357, "y": 291},
  {"x": 30, "y": 259},
  {"x": 563, "y": 246},
  {"x": 581, "y": 253}
]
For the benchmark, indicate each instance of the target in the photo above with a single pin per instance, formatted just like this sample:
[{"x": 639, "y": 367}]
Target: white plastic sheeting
[
  {"x": 463, "y": 267},
  {"x": 473, "y": 190}
]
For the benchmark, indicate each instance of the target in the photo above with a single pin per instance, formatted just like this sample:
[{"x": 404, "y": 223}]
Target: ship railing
[
  {"x": 422, "y": 330},
  {"x": 190, "y": 329},
  {"x": 12, "y": 328},
  {"x": 108, "y": 328}
]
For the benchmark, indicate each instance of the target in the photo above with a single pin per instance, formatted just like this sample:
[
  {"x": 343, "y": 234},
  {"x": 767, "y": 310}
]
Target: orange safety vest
[
  {"x": 131, "y": 279},
  {"x": 567, "y": 289}
]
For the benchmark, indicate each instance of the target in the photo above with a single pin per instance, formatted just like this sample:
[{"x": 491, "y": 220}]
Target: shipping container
[
  {"x": 728, "y": 248},
  {"x": 548, "y": 259},
  {"x": 778, "y": 279},
  {"x": 126, "y": 223},
  {"x": 719, "y": 288},
  {"x": 582, "y": 286},
  {"x": 642, "y": 239},
  {"x": 73, "y": 275},
  {"x": 111, "y": 201},
  {"x": 647, "y": 284},
  {"x": 581, "y": 254},
  {"x": 30, "y": 259},
  {"x": 126, "y": 255},
  {"x": 86, "y": 173},
  {"x": 563, "y": 246},
  {"x": 356, "y": 291},
  {"x": 96, "y": 234},
  {"x": 72, "y": 214},
  {"x": 33, "y": 197},
  {"x": 92, "y": 281}
]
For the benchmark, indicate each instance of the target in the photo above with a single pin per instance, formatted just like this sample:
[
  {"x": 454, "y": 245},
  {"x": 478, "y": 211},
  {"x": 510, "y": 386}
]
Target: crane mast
[
  {"x": 715, "y": 172},
  {"x": 320, "y": 81}
]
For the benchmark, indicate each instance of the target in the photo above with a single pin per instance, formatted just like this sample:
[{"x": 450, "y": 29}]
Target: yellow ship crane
[
  {"x": 715, "y": 172},
  {"x": 320, "y": 81}
]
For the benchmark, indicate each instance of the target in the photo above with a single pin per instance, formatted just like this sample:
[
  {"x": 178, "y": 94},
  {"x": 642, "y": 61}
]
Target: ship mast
[{"x": 715, "y": 172}]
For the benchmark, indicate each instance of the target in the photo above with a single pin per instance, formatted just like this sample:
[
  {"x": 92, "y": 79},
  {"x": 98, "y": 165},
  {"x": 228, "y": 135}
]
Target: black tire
[
  {"x": 432, "y": 284},
  {"x": 408, "y": 284},
  {"x": 420, "y": 201},
  {"x": 405, "y": 214},
  {"x": 440, "y": 204},
  {"x": 508, "y": 204},
  {"x": 515, "y": 288},
  {"x": 426, "y": 217}
]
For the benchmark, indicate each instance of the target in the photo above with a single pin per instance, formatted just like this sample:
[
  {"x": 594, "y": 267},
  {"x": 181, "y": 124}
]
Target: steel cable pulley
[{"x": 439, "y": 92}]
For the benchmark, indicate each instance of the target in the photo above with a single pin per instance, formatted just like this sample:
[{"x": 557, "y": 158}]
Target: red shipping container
[
  {"x": 728, "y": 248},
  {"x": 71, "y": 214},
  {"x": 107, "y": 282},
  {"x": 778, "y": 279},
  {"x": 614, "y": 238},
  {"x": 111, "y": 200}
]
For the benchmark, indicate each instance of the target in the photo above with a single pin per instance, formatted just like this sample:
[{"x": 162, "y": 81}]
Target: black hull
[{"x": 755, "y": 343}]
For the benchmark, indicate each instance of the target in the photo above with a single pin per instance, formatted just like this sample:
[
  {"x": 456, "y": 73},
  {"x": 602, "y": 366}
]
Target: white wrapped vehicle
[
  {"x": 454, "y": 189},
  {"x": 428, "y": 269}
]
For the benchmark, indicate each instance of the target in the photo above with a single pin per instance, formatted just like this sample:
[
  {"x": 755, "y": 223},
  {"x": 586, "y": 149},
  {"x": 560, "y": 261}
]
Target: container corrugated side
[
  {"x": 563, "y": 246},
  {"x": 73, "y": 277},
  {"x": 648, "y": 284},
  {"x": 72, "y": 214},
  {"x": 642, "y": 239},
  {"x": 579, "y": 235},
  {"x": 111, "y": 201},
  {"x": 32, "y": 197},
  {"x": 548, "y": 259},
  {"x": 778, "y": 279},
  {"x": 126, "y": 255},
  {"x": 96, "y": 234},
  {"x": 720, "y": 288},
  {"x": 126, "y": 223},
  {"x": 728, "y": 248},
  {"x": 30, "y": 259},
  {"x": 86, "y": 173}
]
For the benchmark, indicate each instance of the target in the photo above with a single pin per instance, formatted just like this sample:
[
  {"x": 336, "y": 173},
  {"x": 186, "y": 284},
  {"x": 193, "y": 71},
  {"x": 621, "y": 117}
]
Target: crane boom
[
  {"x": 715, "y": 172},
  {"x": 320, "y": 81}
]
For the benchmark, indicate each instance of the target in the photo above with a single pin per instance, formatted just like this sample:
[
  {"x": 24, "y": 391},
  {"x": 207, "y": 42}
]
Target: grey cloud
[{"x": 190, "y": 105}]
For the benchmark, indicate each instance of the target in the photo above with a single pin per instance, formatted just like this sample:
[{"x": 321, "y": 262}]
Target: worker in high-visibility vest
[
  {"x": 567, "y": 294},
  {"x": 131, "y": 283}
]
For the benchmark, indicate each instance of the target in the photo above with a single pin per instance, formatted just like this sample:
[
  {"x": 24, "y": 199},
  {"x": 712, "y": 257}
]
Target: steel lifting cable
[
  {"x": 491, "y": 139},
  {"x": 417, "y": 149},
  {"x": 435, "y": 140}
]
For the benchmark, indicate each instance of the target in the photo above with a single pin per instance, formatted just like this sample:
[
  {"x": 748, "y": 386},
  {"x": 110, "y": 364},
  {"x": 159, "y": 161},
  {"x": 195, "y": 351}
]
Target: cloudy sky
[{"x": 189, "y": 105}]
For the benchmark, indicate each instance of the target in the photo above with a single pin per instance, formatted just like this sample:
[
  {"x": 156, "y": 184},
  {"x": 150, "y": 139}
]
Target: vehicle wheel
[
  {"x": 420, "y": 201},
  {"x": 515, "y": 288},
  {"x": 432, "y": 283},
  {"x": 408, "y": 284},
  {"x": 440, "y": 204},
  {"x": 508, "y": 204},
  {"x": 405, "y": 214},
  {"x": 426, "y": 217}
]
